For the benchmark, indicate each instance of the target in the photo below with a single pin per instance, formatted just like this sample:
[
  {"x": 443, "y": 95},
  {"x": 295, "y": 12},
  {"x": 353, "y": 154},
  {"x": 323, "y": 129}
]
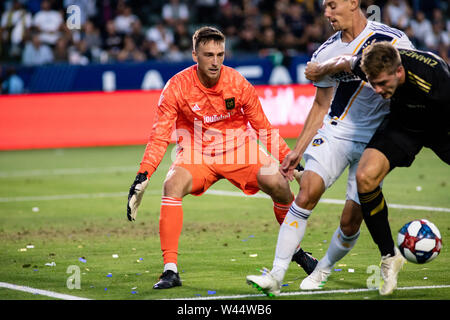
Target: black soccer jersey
[{"x": 423, "y": 101}]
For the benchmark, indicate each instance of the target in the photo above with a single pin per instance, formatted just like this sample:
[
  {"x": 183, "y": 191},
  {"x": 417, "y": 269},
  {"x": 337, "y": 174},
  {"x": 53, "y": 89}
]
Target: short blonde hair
[
  {"x": 379, "y": 57},
  {"x": 206, "y": 34}
]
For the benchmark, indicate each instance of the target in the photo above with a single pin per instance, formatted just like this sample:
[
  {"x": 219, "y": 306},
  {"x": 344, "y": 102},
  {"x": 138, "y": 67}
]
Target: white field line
[
  {"x": 64, "y": 197},
  {"x": 66, "y": 171},
  {"x": 62, "y": 296},
  {"x": 47, "y": 293},
  {"x": 328, "y": 201},
  {"x": 307, "y": 293},
  {"x": 209, "y": 192}
]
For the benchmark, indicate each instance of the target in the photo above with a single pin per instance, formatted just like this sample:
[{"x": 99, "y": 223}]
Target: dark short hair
[
  {"x": 379, "y": 57},
  {"x": 206, "y": 34}
]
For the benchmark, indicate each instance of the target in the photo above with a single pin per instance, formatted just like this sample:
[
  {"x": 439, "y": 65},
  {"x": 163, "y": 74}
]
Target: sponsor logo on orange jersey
[{"x": 216, "y": 117}]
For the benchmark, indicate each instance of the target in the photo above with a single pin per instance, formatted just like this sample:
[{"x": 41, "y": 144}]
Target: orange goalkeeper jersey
[{"x": 208, "y": 119}]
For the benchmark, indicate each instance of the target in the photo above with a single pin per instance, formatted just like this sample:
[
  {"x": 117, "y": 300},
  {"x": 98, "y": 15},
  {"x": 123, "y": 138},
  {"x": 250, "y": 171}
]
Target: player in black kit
[{"x": 418, "y": 85}]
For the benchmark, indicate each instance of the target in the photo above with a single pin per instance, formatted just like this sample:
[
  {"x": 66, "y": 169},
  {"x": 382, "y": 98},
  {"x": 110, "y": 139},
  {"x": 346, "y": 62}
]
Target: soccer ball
[{"x": 419, "y": 241}]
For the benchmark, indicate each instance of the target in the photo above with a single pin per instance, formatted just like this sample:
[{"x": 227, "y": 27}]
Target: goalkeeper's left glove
[{"x": 136, "y": 194}]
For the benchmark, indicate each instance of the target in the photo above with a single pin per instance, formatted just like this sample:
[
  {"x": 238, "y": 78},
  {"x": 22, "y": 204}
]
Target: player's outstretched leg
[
  {"x": 177, "y": 184},
  {"x": 340, "y": 245},
  {"x": 303, "y": 259},
  {"x": 278, "y": 188},
  {"x": 171, "y": 221},
  {"x": 342, "y": 242}
]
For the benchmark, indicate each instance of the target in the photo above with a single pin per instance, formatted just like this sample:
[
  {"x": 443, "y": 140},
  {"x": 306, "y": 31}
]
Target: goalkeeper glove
[{"x": 136, "y": 194}]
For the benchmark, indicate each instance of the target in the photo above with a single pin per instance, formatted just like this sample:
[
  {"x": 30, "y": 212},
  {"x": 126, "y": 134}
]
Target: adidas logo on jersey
[{"x": 196, "y": 108}]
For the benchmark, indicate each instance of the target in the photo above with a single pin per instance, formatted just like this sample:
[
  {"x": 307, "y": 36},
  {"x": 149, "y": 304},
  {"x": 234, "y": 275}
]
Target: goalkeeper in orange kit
[{"x": 211, "y": 107}]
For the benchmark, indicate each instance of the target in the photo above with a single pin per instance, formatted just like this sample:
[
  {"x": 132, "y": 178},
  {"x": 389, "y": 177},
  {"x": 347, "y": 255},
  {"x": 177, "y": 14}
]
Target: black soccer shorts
[{"x": 401, "y": 146}]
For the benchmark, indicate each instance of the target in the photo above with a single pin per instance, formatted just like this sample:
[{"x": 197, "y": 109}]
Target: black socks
[{"x": 375, "y": 215}]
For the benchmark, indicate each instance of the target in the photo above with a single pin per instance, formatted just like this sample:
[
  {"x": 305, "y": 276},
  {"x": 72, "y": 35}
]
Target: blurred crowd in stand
[{"x": 38, "y": 32}]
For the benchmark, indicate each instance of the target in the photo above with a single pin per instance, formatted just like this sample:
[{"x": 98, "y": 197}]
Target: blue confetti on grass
[
  {"x": 109, "y": 275},
  {"x": 211, "y": 292},
  {"x": 285, "y": 285},
  {"x": 249, "y": 237},
  {"x": 337, "y": 269},
  {"x": 134, "y": 292},
  {"x": 82, "y": 260}
]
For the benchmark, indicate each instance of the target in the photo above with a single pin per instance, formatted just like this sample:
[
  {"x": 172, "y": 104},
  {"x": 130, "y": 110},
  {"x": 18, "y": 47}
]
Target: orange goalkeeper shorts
[{"x": 240, "y": 168}]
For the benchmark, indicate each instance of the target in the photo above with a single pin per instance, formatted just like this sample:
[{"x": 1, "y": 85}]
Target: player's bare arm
[
  {"x": 316, "y": 71},
  {"x": 313, "y": 122}
]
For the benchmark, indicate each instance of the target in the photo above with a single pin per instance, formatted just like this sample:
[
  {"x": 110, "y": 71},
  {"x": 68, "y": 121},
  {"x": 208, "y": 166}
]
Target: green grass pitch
[{"x": 57, "y": 206}]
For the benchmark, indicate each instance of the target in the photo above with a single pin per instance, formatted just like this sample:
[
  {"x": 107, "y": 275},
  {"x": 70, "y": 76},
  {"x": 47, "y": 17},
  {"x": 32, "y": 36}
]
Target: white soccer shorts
[{"x": 329, "y": 156}]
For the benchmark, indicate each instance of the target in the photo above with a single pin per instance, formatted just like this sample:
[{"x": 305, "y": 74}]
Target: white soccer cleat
[
  {"x": 390, "y": 267},
  {"x": 265, "y": 283},
  {"x": 315, "y": 281}
]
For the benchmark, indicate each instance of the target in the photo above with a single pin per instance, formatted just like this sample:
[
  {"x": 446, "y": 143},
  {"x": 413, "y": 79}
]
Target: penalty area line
[
  {"x": 224, "y": 193},
  {"x": 327, "y": 201},
  {"x": 41, "y": 292},
  {"x": 307, "y": 293}
]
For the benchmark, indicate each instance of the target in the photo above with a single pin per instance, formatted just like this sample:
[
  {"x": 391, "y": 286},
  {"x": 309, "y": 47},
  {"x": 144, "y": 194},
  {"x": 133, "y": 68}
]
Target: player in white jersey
[{"x": 344, "y": 116}]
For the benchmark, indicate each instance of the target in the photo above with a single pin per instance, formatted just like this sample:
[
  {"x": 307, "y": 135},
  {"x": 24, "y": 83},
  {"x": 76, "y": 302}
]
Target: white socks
[
  {"x": 340, "y": 245},
  {"x": 170, "y": 266},
  {"x": 291, "y": 233}
]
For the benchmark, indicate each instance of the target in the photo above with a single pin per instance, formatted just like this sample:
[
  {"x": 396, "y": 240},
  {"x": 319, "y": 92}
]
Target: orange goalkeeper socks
[
  {"x": 280, "y": 211},
  {"x": 170, "y": 225}
]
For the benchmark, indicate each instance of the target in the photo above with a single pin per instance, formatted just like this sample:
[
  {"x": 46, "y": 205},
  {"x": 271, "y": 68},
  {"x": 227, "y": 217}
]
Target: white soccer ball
[{"x": 419, "y": 241}]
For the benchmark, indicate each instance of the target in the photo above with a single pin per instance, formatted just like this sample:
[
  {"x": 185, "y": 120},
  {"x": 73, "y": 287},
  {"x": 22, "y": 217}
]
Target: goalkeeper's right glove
[{"x": 136, "y": 194}]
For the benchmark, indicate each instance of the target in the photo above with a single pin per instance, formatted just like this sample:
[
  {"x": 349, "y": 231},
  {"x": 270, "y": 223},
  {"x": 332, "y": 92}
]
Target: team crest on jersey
[
  {"x": 377, "y": 37},
  {"x": 317, "y": 142},
  {"x": 230, "y": 103}
]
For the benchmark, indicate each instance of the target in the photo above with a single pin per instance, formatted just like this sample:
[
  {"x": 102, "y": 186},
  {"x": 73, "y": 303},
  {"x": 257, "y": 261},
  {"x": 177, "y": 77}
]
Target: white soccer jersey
[{"x": 356, "y": 110}]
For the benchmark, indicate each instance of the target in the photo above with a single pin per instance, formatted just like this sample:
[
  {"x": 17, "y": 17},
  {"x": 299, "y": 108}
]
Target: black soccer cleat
[
  {"x": 305, "y": 260},
  {"x": 168, "y": 280}
]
